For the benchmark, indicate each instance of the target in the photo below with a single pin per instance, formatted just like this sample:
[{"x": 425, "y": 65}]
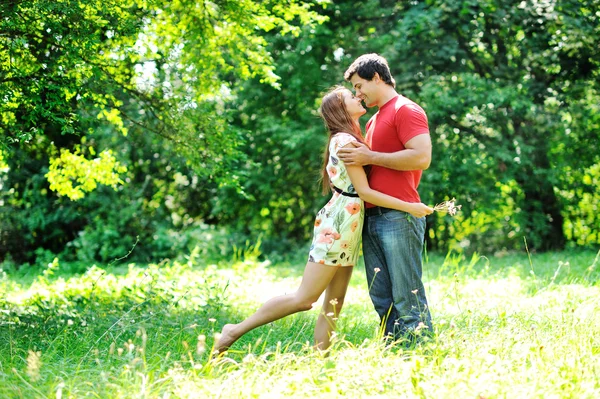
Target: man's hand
[{"x": 358, "y": 155}]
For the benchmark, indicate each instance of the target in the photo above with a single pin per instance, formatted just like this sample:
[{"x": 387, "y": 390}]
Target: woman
[{"x": 336, "y": 241}]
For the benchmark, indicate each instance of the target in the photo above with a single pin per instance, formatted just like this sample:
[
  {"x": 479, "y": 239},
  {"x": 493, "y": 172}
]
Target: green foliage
[
  {"x": 65, "y": 62},
  {"x": 209, "y": 110},
  {"x": 128, "y": 68},
  {"x": 284, "y": 135},
  {"x": 161, "y": 204},
  {"x": 88, "y": 174},
  {"x": 500, "y": 85}
]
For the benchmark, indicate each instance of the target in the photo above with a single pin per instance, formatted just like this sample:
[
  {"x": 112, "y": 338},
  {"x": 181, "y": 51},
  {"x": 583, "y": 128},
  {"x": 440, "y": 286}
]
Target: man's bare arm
[{"x": 416, "y": 155}]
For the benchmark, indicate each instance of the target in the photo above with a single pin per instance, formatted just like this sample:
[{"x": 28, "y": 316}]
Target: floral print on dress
[{"x": 338, "y": 225}]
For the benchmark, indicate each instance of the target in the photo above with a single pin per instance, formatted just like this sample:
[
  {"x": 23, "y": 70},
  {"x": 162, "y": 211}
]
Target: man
[{"x": 400, "y": 149}]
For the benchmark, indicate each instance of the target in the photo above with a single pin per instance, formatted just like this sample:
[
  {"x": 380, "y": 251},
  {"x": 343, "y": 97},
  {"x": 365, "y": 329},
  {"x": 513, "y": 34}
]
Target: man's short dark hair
[{"x": 366, "y": 65}]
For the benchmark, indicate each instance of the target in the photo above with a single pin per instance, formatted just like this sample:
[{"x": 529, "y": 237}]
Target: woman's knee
[{"x": 303, "y": 304}]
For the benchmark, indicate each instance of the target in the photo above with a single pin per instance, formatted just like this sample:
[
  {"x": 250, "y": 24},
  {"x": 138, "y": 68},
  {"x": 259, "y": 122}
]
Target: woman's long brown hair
[{"x": 337, "y": 120}]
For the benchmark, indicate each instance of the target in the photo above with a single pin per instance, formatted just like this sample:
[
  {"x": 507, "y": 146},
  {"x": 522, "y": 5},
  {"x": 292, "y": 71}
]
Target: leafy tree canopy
[{"x": 66, "y": 63}]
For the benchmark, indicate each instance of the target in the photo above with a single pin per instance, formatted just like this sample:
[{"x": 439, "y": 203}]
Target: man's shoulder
[
  {"x": 405, "y": 107},
  {"x": 405, "y": 102}
]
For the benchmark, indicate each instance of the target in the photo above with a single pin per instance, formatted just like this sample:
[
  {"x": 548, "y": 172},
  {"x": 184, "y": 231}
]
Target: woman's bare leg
[
  {"x": 332, "y": 305},
  {"x": 314, "y": 281}
]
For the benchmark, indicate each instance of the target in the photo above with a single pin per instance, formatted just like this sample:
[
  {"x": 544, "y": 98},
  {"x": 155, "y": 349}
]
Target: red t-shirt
[{"x": 396, "y": 122}]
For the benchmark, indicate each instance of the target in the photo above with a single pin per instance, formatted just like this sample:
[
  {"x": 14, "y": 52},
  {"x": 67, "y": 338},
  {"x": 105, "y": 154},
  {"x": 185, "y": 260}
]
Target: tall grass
[{"x": 505, "y": 328}]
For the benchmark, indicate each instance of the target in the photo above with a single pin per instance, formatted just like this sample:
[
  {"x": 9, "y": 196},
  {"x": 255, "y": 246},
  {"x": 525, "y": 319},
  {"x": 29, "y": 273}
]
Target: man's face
[{"x": 366, "y": 90}]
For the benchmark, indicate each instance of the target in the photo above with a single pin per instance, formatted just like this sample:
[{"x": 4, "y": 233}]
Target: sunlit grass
[{"x": 506, "y": 328}]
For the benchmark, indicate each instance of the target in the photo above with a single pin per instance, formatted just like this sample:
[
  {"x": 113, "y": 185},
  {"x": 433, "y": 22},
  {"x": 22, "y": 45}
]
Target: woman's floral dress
[{"x": 338, "y": 226}]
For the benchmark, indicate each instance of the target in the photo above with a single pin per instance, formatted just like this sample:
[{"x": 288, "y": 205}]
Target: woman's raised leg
[
  {"x": 314, "y": 281},
  {"x": 332, "y": 305}
]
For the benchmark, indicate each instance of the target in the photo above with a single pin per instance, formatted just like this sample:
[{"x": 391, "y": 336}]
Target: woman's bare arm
[{"x": 361, "y": 185}]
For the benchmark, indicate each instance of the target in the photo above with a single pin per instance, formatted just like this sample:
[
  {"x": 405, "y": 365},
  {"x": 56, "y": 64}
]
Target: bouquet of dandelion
[{"x": 448, "y": 206}]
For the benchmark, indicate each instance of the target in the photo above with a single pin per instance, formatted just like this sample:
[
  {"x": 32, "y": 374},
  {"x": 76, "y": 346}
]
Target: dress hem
[{"x": 331, "y": 264}]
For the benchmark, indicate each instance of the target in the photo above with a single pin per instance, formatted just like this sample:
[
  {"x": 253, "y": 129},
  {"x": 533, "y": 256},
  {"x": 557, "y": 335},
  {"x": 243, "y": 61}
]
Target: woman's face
[{"x": 353, "y": 105}]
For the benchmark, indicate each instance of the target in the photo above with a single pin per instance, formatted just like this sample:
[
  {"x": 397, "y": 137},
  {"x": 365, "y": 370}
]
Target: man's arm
[{"x": 415, "y": 156}]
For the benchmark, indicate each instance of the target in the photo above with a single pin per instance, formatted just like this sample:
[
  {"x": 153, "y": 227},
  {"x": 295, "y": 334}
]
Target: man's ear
[{"x": 376, "y": 77}]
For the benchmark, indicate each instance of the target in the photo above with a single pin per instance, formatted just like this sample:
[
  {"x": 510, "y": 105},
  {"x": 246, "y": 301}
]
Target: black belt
[
  {"x": 377, "y": 210},
  {"x": 345, "y": 193}
]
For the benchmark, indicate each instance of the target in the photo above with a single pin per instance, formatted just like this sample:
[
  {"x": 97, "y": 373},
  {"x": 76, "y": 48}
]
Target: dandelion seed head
[
  {"x": 377, "y": 270},
  {"x": 420, "y": 326},
  {"x": 201, "y": 346},
  {"x": 415, "y": 292},
  {"x": 119, "y": 351},
  {"x": 329, "y": 314},
  {"x": 334, "y": 301},
  {"x": 59, "y": 389},
  {"x": 34, "y": 364}
]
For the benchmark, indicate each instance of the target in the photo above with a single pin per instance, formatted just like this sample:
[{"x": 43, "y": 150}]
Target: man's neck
[{"x": 386, "y": 96}]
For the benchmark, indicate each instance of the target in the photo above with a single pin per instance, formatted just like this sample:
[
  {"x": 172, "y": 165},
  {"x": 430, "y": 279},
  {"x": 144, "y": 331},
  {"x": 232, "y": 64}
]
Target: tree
[
  {"x": 169, "y": 57},
  {"x": 510, "y": 89},
  {"x": 284, "y": 134},
  {"x": 73, "y": 71},
  {"x": 499, "y": 79}
]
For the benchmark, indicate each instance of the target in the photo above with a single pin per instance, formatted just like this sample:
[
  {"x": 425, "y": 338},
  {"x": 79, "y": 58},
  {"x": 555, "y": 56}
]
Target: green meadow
[{"x": 513, "y": 326}]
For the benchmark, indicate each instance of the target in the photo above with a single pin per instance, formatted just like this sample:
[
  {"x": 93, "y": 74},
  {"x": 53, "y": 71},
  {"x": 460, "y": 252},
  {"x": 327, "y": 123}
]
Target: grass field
[{"x": 517, "y": 326}]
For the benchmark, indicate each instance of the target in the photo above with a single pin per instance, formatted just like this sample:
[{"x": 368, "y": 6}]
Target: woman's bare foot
[{"x": 227, "y": 338}]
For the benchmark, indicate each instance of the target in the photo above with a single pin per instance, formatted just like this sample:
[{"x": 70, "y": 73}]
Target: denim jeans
[{"x": 393, "y": 246}]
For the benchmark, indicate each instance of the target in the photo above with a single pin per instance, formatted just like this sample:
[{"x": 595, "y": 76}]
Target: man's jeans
[{"x": 393, "y": 246}]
